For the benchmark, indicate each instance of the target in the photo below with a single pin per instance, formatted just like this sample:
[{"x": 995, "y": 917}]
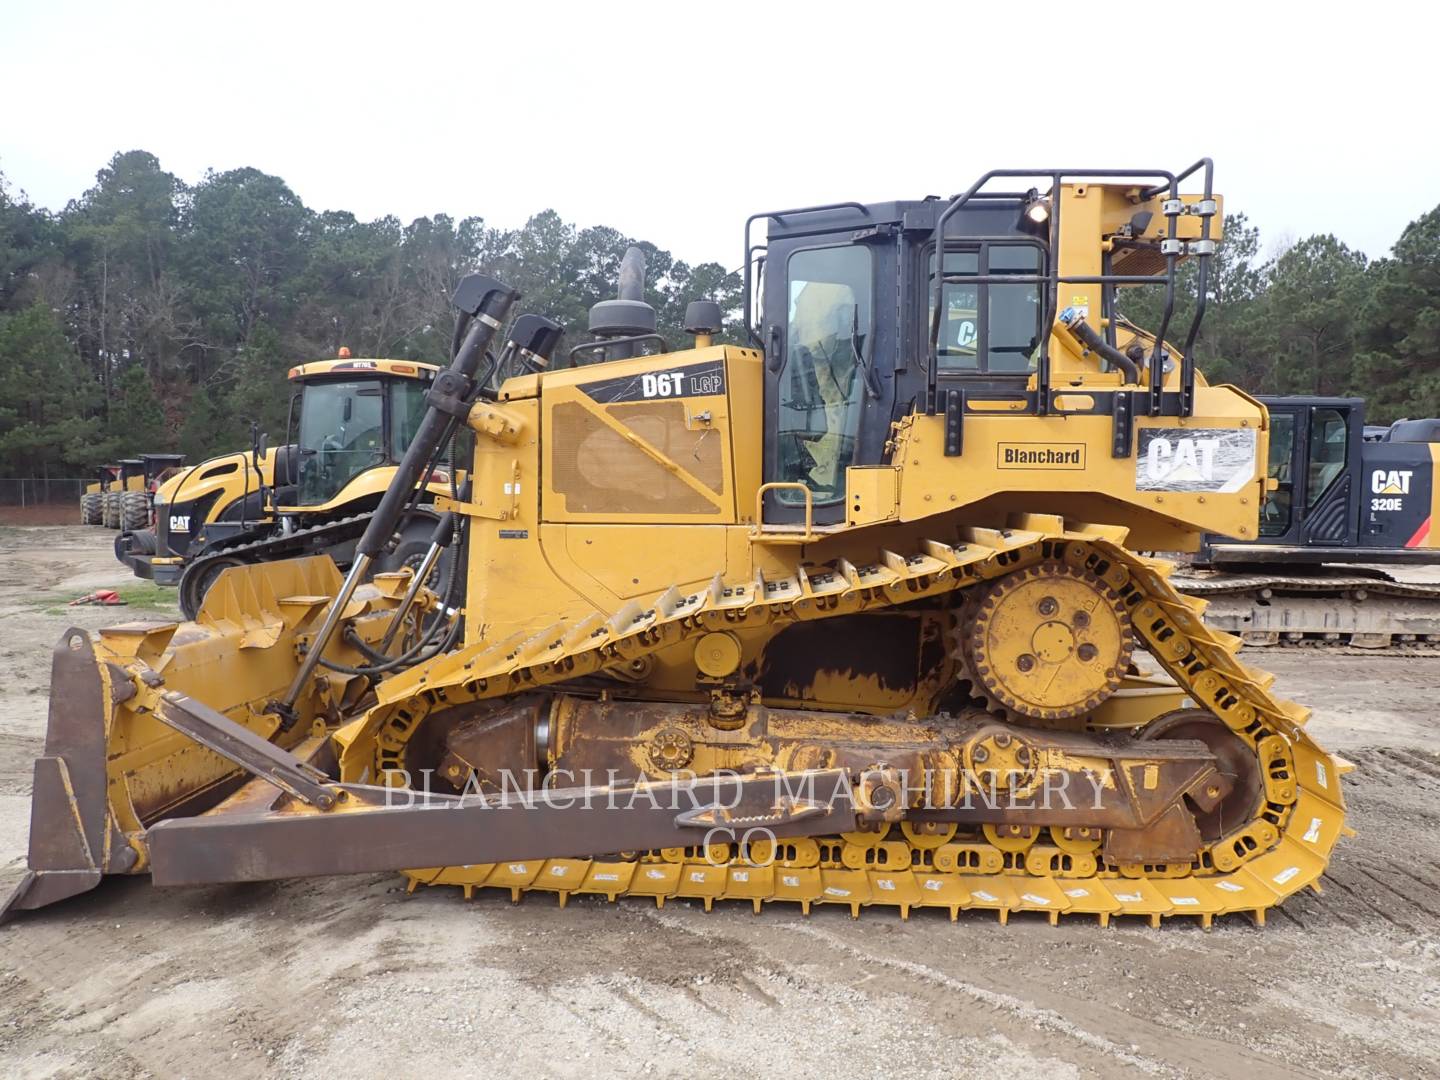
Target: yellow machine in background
[
  {"x": 855, "y": 616},
  {"x": 219, "y": 498},
  {"x": 352, "y": 420},
  {"x": 92, "y": 498},
  {"x": 121, "y": 496}
]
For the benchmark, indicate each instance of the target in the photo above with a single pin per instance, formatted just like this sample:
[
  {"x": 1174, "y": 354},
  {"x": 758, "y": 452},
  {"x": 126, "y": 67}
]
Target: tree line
[
  {"x": 149, "y": 314},
  {"x": 1317, "y": 318}
]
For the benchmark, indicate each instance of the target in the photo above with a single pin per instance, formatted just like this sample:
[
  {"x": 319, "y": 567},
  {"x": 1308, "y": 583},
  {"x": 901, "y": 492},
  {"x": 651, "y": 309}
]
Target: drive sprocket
[{"x": 1049, "y": 642}]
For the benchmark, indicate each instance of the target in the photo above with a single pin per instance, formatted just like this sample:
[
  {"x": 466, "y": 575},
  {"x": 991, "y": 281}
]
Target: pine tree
[
  {"x": 45, "y": 396},
  {"x": 137, "y": 419}
]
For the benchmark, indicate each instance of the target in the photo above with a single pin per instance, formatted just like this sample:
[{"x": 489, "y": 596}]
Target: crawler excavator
[
  {"x": 1342, "y": 504},
  {"x": 853, "y": 616}
]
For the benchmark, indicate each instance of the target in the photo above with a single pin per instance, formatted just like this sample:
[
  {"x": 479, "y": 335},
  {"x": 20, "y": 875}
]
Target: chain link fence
[
  {"x": 31, "y": 501},
  {"x": 32, "y": 492}
]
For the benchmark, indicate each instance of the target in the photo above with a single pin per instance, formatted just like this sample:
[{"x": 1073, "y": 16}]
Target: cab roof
[{"x": 405, "y": 369}]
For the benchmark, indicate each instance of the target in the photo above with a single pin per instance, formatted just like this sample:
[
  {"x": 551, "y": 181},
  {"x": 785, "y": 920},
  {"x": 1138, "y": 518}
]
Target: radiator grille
[{"x": 599, "y": 472}]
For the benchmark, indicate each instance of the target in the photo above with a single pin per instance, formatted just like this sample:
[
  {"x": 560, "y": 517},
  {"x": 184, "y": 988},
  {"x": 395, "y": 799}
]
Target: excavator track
[
  {"x": 1282, "y": 849},
  {"x": 1360, "y": 613}
]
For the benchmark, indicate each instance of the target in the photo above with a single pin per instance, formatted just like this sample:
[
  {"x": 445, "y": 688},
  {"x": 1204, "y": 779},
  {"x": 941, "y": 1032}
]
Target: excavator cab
[
  {"x": 1336, "y": 496},
  {"x": 1314, "y": 456},
  {"x": 1344, "y": 499}
]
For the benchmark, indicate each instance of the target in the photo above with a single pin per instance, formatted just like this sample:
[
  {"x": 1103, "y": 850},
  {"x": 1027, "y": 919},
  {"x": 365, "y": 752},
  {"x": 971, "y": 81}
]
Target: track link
[{"x": 1282, "y": 850}]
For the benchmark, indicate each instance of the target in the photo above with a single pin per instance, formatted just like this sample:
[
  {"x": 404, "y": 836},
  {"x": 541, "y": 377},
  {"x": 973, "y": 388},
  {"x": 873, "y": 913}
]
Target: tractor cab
[
  {"x": 349, "y": 418},
  {"x": 105, "y": 476},
  {"x": 132, "y": 474},
  {"x": 157, "y": 468}
]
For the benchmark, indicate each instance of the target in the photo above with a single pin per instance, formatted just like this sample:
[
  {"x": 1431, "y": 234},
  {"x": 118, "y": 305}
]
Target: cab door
[
  {"x": 829, "y": 336},
  {"x": 1279, "y": 519},
  {"x": 1329, "y": 513}
]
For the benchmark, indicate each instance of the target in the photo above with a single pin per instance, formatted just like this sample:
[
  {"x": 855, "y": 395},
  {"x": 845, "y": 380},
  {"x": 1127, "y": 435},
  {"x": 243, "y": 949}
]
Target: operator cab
[
  {"x": 846, "y": 303},
  {"x": 349, "y": 416},
  {"x": 1314, "y": 452}
]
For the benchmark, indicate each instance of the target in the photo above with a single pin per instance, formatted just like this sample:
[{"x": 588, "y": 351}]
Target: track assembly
[{"x": 1259, "y": 831}]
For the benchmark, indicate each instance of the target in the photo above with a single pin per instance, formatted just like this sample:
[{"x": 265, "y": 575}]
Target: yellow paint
[
  {"x": 612, "y": 541},
  {"x": 410, "y": 369}
]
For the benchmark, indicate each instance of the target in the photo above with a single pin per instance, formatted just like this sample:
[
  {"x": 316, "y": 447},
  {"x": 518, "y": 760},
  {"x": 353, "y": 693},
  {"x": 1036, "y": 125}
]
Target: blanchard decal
[
  {"x": 689, "y": 380},
  {"x": 1040, "y": 455},
  {"x": 1195, "y": 459}
]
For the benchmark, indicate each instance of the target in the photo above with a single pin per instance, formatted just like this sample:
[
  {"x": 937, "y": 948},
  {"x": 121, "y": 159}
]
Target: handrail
[
  {"x": 776, "y": 485},
  {"x": 1055, "y": 176},
  {"x": 1171, "y": 247}
]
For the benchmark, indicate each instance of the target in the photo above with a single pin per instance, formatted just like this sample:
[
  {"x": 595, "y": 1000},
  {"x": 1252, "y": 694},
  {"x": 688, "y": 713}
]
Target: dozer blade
[
  {"x": 112, "y": 766},
  {"x": 140, "y": 775},
  {"x": 72, "y": 839}
]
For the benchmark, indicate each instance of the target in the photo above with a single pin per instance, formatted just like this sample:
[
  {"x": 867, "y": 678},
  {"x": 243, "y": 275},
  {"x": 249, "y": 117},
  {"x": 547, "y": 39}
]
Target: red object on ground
[{"x": 103, "y": 597}]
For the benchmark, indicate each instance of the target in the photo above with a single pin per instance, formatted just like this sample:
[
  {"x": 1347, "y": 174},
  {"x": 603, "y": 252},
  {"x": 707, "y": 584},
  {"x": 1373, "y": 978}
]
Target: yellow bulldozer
[{"x": 853, "y": 616}]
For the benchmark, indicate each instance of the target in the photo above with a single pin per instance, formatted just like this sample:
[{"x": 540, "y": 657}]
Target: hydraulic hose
[
  {"x": 413, "y": 655},
  {"x": 1092, "y": 340}
]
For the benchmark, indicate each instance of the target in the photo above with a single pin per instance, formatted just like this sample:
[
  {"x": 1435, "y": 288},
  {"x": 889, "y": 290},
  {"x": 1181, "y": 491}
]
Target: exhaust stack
[{"x": 625, "y": 321}]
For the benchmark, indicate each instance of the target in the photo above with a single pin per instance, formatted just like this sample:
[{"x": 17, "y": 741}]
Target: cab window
[
  {"x": 407, "y": 401},
  {"x": 341, "y": 435},
  {"x": 822, "y": 385},
  {"x": 988, "y": 329},
  {"x": 1275, "y": 514}
]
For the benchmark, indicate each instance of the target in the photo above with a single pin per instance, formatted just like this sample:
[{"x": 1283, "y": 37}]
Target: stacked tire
[
  {"x": 134, "y": 511},
  {"x": 90, "y": 512}
]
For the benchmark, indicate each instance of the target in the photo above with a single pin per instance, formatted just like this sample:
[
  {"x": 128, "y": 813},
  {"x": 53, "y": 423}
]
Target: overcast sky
[{"x": 673, "y": 121}]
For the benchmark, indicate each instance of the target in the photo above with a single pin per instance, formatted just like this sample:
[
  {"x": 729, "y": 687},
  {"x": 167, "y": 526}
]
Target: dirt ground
[
  {"x": 64, "y": 513},
  {"x": 349, "y": 978}
]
